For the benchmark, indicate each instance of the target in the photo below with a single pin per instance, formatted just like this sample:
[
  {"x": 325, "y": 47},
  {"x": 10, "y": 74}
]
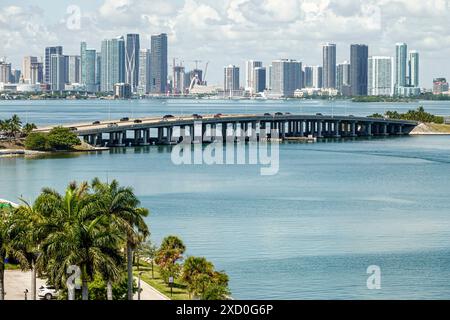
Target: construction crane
[{"x": 196, "y": 63}]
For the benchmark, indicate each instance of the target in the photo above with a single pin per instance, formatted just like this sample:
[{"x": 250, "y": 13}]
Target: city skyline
[{"x": 272, "y": 33}]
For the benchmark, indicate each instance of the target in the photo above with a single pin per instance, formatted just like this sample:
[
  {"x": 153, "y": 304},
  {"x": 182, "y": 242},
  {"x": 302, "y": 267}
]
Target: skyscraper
[
  {"x": 401, "y": 64},
  {"x": 112, "y": 63},
  {"x": 231, "y": 78},
  {"x": 5, "y": 72},
  {"x": 359, "y": 55},
  {"x": 308, "y": 77},
  {"x": 317, "y": 77},
  {"x": 98, "y": 70},
  {"x": 26, "y": 68},
  {"x": 286, "y": 77},
  {"x": 329, "y": 65},
  {"x": 58, "y": 69},
  {"x": 37, "y": 73},
  {"x": 88, "y": 69},
  {"x": 178, "y": 79},
  {"x": 144, "y": 71},
  {"x": 48, "y": 52},
  {"x": 381, "y": 76},
  {"x": 158, "y": 62},
  {"x": 132, "y": 61},
  {"x": 249, "y": 74},
  {"x": 413, "y": 64},
  {"x": 259, "y": 79},
  {"x": 73, "y": 66},
  {"x": 343, "y": 77}
]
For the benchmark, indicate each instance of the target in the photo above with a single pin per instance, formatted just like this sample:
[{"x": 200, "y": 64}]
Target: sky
[{"x": 224, "y": 32}]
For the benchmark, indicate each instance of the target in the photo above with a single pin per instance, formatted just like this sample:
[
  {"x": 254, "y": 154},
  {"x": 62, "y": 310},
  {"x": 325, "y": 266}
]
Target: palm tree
[
  {"x": 80, "y": 235},
  {"x": 147, "y": 250},
  {"x": 193, "y": 268},
  {"x": 122, "y": 205},
  {"x": 169, "y": 253},
  {"x": 28, "y": 128},
  {"x": 15, "y": 125}
]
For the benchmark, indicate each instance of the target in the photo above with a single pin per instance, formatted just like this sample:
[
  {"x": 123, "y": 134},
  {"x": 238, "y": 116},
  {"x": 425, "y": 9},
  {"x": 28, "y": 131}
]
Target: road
[{"x": 17, "y": 281}]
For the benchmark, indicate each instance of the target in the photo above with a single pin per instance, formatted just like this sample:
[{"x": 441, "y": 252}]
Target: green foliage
[
  {"x": 37, "y": 141},
  {"x": 61, "y": 138},
  {"x": 414, "y": 115},
  {"x": 169, "y": 254},
  {"x": 97, "y": 288}
]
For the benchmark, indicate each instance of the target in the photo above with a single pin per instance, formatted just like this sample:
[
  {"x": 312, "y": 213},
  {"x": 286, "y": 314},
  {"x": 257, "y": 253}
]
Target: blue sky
[{"x": 231, "y": 31}]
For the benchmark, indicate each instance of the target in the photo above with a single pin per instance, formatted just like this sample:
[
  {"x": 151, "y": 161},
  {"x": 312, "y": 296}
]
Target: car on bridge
[
  {"x": 113, "y": 125},
  {"x": 219, "y": 115},
  {"x": 125, "y": 119},
  {"x": 96, "y": 122},
  {"x": 197, "y": 116},
  {"x": 73, "y": 129},
  {"x": 168, "y": 116},
  {"x": 137, "y": 121},
  {"x": 267, "y": 114},
  {"x": 279, "y": 114}
]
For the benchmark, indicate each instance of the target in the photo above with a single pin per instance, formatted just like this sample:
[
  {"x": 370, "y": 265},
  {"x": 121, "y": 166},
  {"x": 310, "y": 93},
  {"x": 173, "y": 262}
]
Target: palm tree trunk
[
  {"x": 130, "y": 270},
  {"x": 33, "y": 280},
  {"x": 109, "y": 291},
  {"x": 2, "y": 279}
]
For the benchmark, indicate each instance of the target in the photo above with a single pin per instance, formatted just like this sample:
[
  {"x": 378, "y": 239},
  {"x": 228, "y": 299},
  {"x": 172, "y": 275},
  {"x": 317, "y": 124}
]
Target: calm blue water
[{"x": 309, "y": 232}]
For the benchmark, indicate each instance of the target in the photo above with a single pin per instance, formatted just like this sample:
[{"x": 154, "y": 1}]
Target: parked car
[
  {"x": 96, "y": 122},
  {"x": 125, "y": 119},
  {"x": 47, "y": 292},
  {"x": 137, "y": 121}
]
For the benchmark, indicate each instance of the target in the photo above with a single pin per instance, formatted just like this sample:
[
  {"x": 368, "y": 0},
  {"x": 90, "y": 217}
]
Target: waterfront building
[
  {"x": 413, "y": 66},
  {"x": 249, "y": 74},
  {"x": 269, "y": 78},
  {"x": 307, "y": 77},
  {"x": 259, "y": 79},
  {"x": 112, "y": 63},
  {"x": 49, "y": 51},
  {"x": 36, "y": 73},
  {"x": 286, "y": 77},
  {"x": 178, "y": 80},
  {"x": 159, "y": 64},
  {"x": 317, "y": 77},
  {"x": 122, "y": 90},
  {"x": 73, "y": 69},
  {"x": 27, "y": 64},
  {"x": 381, "y": 76},
  {"x": 359, "y": 55},
  {"x": 58, "y": 69},
  {"x": 16, "y": 74},
  {"x": 440, "y": 85},
  {"x": 343, "y": 77},
  {"x": 89, "y": 75},
  {"x": 5, "y": 72},
  {"x": 329, "y": 65},
  {"x": 401, "y": 52},
  {"x": 132, "y": 61},
  {"x": 408, "y": 91},
  {"x": 144, "y": 71},
  {"x": 231, "y": 79},
  {"x": 98, "y": 70}
]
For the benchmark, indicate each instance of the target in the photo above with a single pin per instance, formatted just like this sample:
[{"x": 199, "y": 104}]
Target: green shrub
[
  {"x": 37, "y": 141},
  {"x": 61, "y": 138}
]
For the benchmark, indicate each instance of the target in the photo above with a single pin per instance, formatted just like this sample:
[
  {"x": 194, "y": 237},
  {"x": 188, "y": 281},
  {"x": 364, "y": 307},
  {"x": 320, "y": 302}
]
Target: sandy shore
[{"x": 431, "y": 129}]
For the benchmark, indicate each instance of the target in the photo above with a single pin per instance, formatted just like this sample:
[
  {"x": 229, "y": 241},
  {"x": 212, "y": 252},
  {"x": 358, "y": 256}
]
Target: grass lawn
[
  {"x": 444, "y": 128},
  {"x": 179, "y": 289}
]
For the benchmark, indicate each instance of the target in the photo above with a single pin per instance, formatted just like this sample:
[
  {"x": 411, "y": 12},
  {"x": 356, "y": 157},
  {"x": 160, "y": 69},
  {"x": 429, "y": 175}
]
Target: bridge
[{"x": 173, "y": 129}]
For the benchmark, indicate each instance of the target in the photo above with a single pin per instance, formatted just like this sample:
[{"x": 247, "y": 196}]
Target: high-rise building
[
  {"x": 286, "y": 77},
  {"x": 132, "y": 61},
  {"x": 343, "y": 77},
  {"x": 16, "y": 74},
  {"x": 73, "y": 74},
  {"x": 36, "y": 73},
  {"x": 359, "y": 55},
  {"x": 178, "y": 80},
  {"x": 48, "y": 53},
  {"x": 269, "y": 78},
  {"x": 113, "y": 63},
  {"x": 144, "y": 71},
  {"x": 58, "y": 75},
  {"x": 401, "y": 65},
  {"x": 329, "y": 65},
  {"x": 440, "y": 85},
  {"x": 250, "y": 66},
  {"x": 317, "y": 77},
  {"x": 27, "y": 63},
  {"x": 413, "y": 66},
  {"x": 308, "y": 77},
  {"x": 98, "y": 69},
  {"x": 89, "y": 75},
  {"x": 259, "y": 79},
  {"x": 231, "y": 78},
  {"x": 158, "y": 69},
  {"x": 5, "y": 72},
  {"x": 381, "y": 76}
]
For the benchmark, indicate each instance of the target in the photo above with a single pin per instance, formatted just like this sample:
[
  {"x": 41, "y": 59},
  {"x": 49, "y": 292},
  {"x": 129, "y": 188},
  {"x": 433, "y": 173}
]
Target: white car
[{"x": 47, "y": 292}]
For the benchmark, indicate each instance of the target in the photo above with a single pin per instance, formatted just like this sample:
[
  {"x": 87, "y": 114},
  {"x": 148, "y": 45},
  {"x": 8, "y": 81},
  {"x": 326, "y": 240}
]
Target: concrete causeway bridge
[{"x": 173, "y": 129}]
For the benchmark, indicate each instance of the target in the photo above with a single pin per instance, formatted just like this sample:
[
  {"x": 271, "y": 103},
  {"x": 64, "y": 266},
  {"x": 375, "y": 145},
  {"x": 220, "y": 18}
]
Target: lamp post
[
  {"x": 139, "y": 285},
  {"x": 171, "y": 280}
]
